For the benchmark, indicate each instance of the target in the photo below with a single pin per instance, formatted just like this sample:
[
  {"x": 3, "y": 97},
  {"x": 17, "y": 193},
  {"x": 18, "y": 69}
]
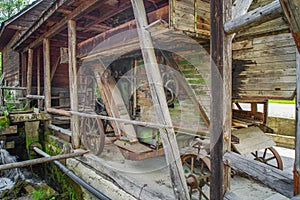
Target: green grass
[{"x": 283, "y": 101}]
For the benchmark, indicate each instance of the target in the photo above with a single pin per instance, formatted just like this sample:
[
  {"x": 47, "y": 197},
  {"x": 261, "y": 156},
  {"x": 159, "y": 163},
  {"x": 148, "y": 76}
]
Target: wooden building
[{"x": 71, "y": 56}]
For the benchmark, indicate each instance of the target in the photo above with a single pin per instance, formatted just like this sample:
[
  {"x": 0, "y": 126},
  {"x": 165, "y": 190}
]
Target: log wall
[{"x": 265, "y": 67}]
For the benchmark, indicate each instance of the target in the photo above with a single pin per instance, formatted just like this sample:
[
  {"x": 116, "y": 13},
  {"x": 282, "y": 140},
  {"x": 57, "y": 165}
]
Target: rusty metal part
[
  {"x": 197, "y": 170},
  {"x": 269, "y": 156},
  {"x": 92, "y": 134}
]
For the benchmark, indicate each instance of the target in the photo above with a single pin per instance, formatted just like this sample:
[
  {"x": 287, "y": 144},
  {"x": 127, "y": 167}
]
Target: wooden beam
[
  {"x": 227, "y": 92},
  {"x": 297, "y": 133},
  {"x": 125, "y": 5},
  {"x": 59, "y": 112},
  {"x": 159, "y": 101},
  {"x": 73, "y": 82},
  {"x": 29, "y": 70},
  {"x": 254, "y": 17},
  {"x": 274, "y": 178},
  {"x": 23, "y": 71},
  {"x": 40, "y": 160},
  {"x": 83, "y": 8},
  {"x": 37, "y": 24},
  {"x": 102, "y": 42},
  {"x": 38, "y": 75},
  {"x": 216, "y": 123},
  {"x": 47, "y": 81},
  {"x": 39, "y": 97},
  {"x": 59, "y": 129}
]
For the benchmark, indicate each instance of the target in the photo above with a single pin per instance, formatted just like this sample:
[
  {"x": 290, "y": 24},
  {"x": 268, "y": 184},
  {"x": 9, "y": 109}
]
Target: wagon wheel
[
  {"x": 92, "y": 134},
  {"x": 197, "y": 173},
  {"x": 269, "y": 156}
]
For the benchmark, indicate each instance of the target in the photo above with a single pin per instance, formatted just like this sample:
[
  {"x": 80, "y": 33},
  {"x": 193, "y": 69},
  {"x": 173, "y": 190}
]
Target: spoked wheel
[
  {"x": 92, "y": 134},
  {"x": 197, "y": 173},
  {"x": 269, "y": 156}
]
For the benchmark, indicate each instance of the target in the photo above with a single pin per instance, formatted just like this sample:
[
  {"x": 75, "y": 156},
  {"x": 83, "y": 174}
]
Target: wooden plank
[
  {"x": 47, "y": 82},
  {"x": 73, "y": 82},
  {"x": 160, "y": 105},
  {"x": 9, "y": 130},
  {"x": 251, "y": 139},
  {"x": 273, "y": 27},
  {"x": 274, "y": 178},
  {"x": 29, "y": 70},
  {"x": 229, "y": 195},
  {"x": 254, "y": 17},
  {"x": 114, "y": 103}
]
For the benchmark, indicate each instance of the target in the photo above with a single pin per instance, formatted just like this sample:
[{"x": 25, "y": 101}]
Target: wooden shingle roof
[{"x": 22, "y": 20}]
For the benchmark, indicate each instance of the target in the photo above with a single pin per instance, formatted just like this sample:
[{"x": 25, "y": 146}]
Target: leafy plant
[{"x": 42, "y": 194}]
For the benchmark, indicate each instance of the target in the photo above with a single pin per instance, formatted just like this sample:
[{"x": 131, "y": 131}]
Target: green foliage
[
  {"x": 11, "y": 7},
  {"x": 282, "y": 101},
  {"x": 42, "y": 194}
]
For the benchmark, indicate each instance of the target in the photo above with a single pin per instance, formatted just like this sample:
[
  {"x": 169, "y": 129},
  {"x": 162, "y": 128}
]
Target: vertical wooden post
[
  {"x": 47, "y": 82},
  {"x": 23, "y": 72},
  {"x": 29, "y": 71},
  {"x": 216, "y": 123},
  {"x": 227, "y": 90},
  {"x": 38, "y": 75},
  {"x": 73, "y": 82},
  {"x": 297, "y": 134},
  {"x": 159, "y": 102}
]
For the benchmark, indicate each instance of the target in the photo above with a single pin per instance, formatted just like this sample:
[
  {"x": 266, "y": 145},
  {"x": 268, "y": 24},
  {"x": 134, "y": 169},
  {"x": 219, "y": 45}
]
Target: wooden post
[
  {"x": 216, "y": 123},
  {"x": 73, "y": 82},
  {"x": 29, "y": 71},
  {"x": 24, "y": 64},
  {"x": 297, "y": 134},
  {"x": 160, "y": 105},
  {"x": 227, "y": 92},
  {"x": 240, "y": 8},
  {"x": 47, "y": 82},
  {"x": 38, "y": 75}
]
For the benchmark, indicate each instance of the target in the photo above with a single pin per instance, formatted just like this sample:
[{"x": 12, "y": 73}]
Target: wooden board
[
  {"x": 9, "y": 130},
  {"x": 15, "y": 118},
  {"x": 251, "y": 139},
  {"x": 274, "y": 178}
]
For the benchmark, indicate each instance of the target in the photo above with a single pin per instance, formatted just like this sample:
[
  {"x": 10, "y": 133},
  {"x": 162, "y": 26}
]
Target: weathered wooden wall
[
  {"x": 11, "y": 61},
  {"x": 265, "y": 67},
  {"x": 191, "y": 16}
]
